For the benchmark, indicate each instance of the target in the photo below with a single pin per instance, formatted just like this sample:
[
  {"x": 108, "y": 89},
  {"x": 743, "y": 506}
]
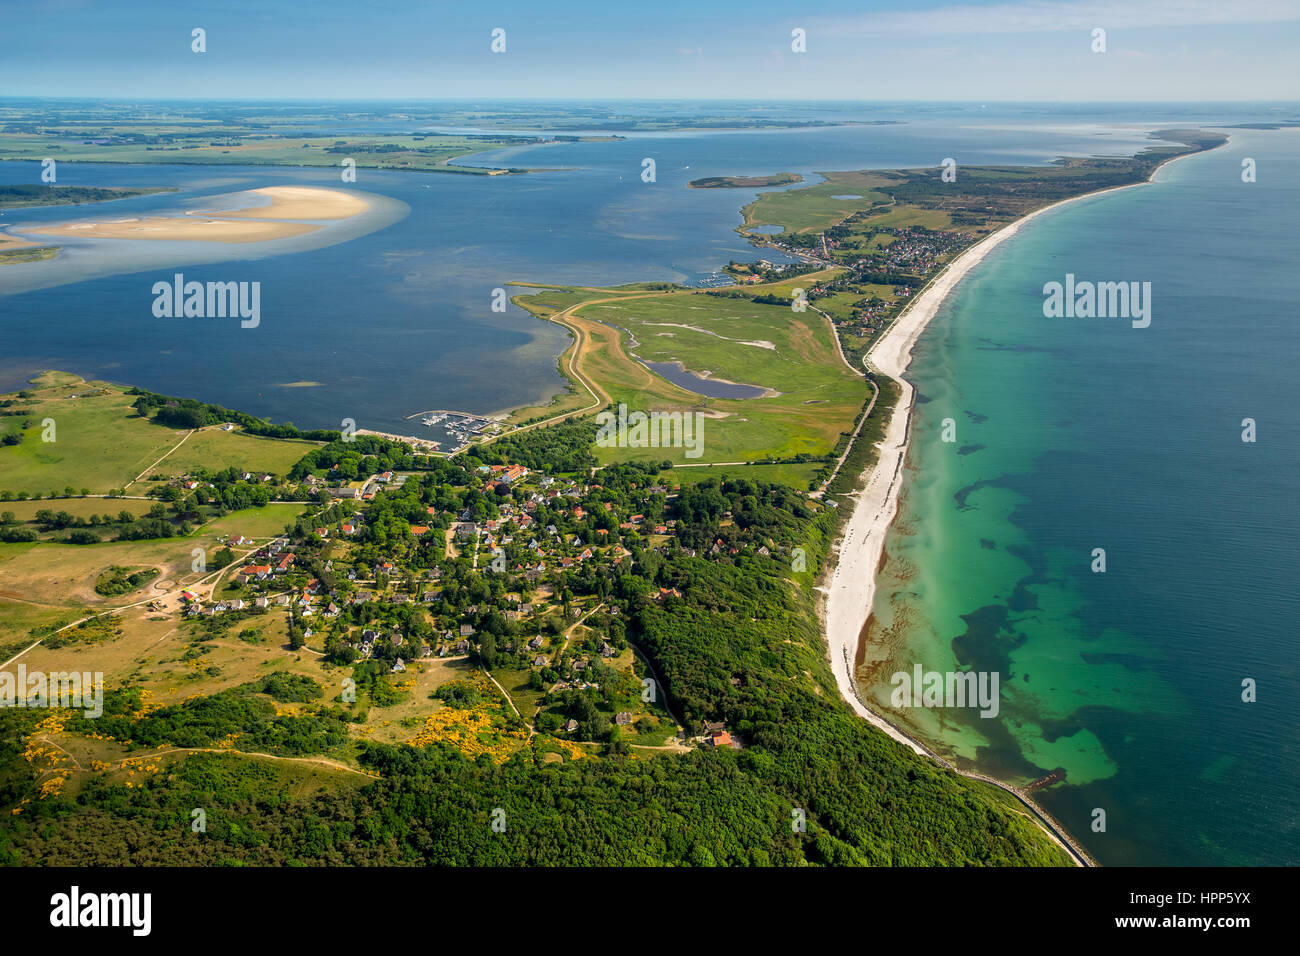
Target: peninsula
[
  {"x": 745, "y": 182},
  {"x": 500, "y": 612}
]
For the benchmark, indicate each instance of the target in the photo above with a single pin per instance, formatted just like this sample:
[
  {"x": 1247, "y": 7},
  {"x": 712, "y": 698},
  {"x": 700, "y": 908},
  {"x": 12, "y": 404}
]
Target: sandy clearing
[
  {"x": 8, "y": 242},
  {"x": 255, "y": 224},
  {"x": 185, "y": 230},
  {"x": 302, "y": 202}
]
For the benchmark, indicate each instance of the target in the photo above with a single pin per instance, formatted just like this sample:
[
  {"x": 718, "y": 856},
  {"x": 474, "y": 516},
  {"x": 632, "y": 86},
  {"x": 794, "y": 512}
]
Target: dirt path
[
  {"x": 509, "y": 700},
  {"x": 853, "y": 439},
  {"x": 835, "y": 337},
  {"x": 574, "y": 626},
  {"x": 681, "y": 728},
  {"x": 171, "y": 593},
  {"x": 320, "y": 761},
  {"x": 598, "y": 395},
  {"x": 160, "y": 460}
]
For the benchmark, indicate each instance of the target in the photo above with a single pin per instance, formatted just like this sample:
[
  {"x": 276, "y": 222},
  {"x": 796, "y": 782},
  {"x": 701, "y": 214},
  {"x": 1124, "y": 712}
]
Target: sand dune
[
  {"x": 187, "y": 230},
  {"x": 240, "y": 225},
  {"x": 303, "y": 202}
]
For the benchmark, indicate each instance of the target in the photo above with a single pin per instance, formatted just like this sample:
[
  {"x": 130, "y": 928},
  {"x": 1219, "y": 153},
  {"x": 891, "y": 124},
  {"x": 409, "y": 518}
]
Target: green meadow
[
  {"x": 812, "y": 397},
  {"x": 100, "y": 443},
  {"x": 786, "y": 473},
  {"x": 814, "y": 208}
]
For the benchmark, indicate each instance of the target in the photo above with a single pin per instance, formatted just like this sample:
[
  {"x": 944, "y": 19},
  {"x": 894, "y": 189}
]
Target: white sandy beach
[
  {"x": 851, "y": 587},
  {"x": 302, "y": 202}
]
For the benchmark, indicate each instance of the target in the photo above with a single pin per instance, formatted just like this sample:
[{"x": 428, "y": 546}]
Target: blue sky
[{"x": 1017, "y": 50}]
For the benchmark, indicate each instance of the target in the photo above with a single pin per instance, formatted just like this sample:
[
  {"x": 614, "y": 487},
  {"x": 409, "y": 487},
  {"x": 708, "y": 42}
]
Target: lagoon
[
  {"x": 399, "y": 318},
  {"x": 684, "y": 378}
]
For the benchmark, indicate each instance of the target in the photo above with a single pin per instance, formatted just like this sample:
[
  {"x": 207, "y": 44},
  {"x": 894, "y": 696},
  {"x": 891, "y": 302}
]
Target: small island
[
  {"x": 15, "y": 196},
  {"x": 744, "y": 182},
  {"x": 14, "y": 250}
]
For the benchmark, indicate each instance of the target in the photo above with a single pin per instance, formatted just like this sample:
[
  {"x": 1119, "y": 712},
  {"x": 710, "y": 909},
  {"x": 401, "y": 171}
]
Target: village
[{"x": 509, "y": 573}]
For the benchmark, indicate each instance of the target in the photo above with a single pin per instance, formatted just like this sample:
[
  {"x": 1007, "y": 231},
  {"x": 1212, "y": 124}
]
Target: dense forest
[{"x": 741, "y": 644}]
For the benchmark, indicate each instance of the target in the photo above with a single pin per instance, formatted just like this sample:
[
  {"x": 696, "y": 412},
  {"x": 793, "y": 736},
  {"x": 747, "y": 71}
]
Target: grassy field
[
  {"x": 18, "y": 618},
  {"x": 64, "y": 575},
  {"x": 811, "y": 396},
  {"x": 250, "y": 452},
  {"x": 100, "y": 443},
  {"x": 26, "y": 253},
  {"x": 238, "y": 145},
  {"x": 745, "y": 182},
  {"x": 814, "y": 208},
  {"x": 791, "y": 354},
  {"x": 428, "y": 153},
  {"x": 256, "y": 523},
  {"x": 22, "y": 196},
  {"x": 80, "y": 507},
  {"x": 56, "y": 574},
  {"x": 792, "y": 474},
  {"x": 515, "y": 682}
]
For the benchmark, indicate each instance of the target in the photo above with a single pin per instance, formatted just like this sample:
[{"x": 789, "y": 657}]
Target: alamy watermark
[
  {"x": 70, "y": 689},
  {"x": 1101, "y": 300},
  {"x": 626, "y": 429},
  {"x": 129, "y": 910},
  {"x": 212, "y": 300},
  {"x": 923, "y": 688}
]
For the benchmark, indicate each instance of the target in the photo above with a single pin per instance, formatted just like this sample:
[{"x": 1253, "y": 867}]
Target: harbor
[{"x": 457, "y": 429}]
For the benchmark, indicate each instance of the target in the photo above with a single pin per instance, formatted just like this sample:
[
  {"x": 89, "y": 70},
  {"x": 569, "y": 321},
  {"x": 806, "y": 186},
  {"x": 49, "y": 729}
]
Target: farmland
[{"x": 215, "y": 136}]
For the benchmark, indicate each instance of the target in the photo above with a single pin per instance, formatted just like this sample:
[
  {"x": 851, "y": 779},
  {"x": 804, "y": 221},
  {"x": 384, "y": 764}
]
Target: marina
[{"x": 458, "y": 428}]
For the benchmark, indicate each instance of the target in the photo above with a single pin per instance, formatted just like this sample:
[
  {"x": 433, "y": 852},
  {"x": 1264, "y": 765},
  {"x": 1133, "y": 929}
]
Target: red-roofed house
[{"x": 253, "y": 572}]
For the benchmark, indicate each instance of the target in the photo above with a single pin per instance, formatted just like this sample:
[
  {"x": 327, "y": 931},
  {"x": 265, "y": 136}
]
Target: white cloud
[{"x": 1040, "y": 16}]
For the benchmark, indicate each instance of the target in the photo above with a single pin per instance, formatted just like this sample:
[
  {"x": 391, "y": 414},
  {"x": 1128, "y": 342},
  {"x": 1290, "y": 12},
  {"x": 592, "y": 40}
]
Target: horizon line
[{"x": 659, "y": 100}]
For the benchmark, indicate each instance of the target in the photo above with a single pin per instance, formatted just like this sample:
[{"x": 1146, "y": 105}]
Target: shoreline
[{"x": 849, "y": 584}]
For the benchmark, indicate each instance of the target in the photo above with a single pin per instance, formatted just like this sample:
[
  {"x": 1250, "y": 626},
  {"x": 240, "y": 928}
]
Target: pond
[{"x": 676, "y": 373}]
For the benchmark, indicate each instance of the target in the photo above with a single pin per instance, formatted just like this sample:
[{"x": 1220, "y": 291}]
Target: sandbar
[
  {"x": 253, "y": 224},
  {"x": 173, "y": 228},
  {"x": 302, "y": 202}
]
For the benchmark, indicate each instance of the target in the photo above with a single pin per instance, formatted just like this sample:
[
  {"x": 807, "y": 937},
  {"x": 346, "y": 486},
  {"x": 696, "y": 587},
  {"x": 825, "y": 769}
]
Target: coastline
[{"x": 855, "y": 558}]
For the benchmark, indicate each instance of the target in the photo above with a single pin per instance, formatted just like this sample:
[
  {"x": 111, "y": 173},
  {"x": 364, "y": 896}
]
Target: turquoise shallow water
[{"x": 1076, "y": 434}]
